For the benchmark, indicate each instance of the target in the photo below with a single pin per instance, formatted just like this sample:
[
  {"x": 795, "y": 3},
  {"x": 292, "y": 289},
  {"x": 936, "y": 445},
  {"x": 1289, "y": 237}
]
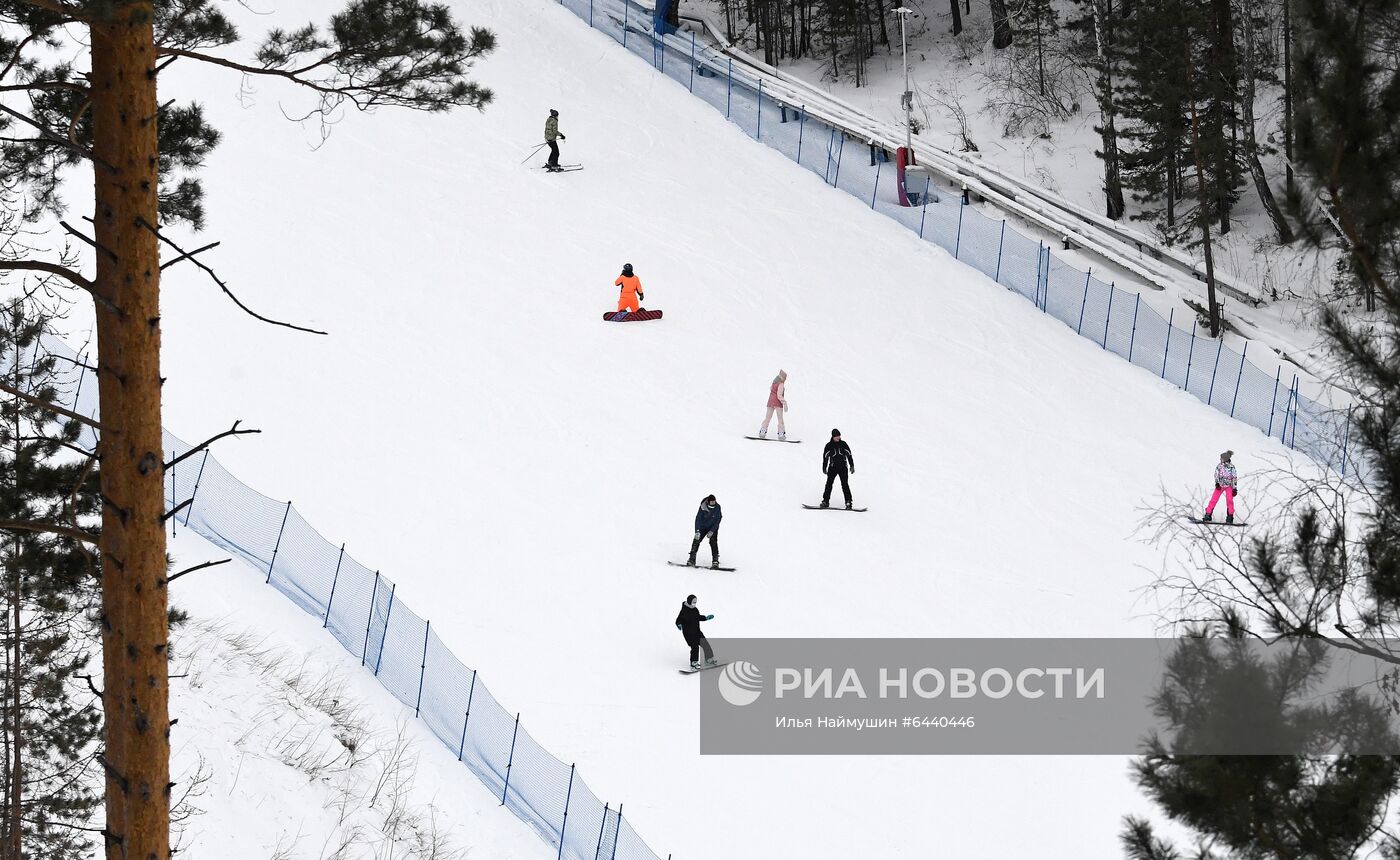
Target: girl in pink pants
[
  {"x": 777, "y": 403},
  {"x": 1225, "y": 481}
]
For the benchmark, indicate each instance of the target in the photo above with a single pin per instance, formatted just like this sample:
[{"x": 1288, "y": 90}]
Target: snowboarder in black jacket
[
  {"x": 688, "y": 622},
  {"x": 707, "y": 525},
  {"x": 836, "y": 459}
]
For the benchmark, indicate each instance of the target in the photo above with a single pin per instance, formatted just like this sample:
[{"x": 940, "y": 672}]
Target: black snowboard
[
  {"x": 772, "y": 439},
  {"x": 1201, "y": 522},
  {"x": 703, "y": 668},
  {"x": 835, "y": 508},
  {"x": 700, "y": 566}
]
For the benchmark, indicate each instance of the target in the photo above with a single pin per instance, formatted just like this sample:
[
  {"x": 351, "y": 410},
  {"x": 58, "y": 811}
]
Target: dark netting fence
[{"x": 1117, "y": 320}]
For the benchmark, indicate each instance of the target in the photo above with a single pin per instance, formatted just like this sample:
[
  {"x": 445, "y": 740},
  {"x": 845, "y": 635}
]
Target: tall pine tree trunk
[
  {"x": 1288, "y": 98},
  {"x": 1251, "y": 141},
  {"x": 134, "y": 620},
  {"x": 1001, "y": 25},
  {"x": 15, "y": 790},
  {"x": 1226, "y": 94},
  {"x": 1108, "y": 131},
  {"x": 957, "y": 17},
  {"x": 1203, "y": 213}
]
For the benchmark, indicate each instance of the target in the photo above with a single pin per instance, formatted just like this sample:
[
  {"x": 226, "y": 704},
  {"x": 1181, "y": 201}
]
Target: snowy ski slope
[{"x": 523, "y": 471}]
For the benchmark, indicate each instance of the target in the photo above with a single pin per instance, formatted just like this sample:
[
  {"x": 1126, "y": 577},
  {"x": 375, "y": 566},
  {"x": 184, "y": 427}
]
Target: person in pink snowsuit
[
  {"x": 1226, "y": 479},
  {"x": 777, "y": 402}
]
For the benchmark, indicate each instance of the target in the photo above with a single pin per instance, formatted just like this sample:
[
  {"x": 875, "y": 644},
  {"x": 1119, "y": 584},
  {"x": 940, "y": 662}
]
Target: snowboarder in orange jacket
[{"x": 631, "y": 286}]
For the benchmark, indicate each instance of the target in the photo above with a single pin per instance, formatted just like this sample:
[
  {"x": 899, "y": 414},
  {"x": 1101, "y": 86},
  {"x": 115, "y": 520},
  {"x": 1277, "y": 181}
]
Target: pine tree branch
[
  {"x": 42, "y": 85},
  {"x": 52, "y": 407},
  {"x": 19, "y": 51},
  {"x": 293, "y": 75},
  {"x": 232, "y": 431},
  {"x": 58, "y": 8},
  {"x": 223, "y": 286},
  {"x": 91, "y": 686},
  {"x": 56, "y": 138},
  {"x": 171, "y": 579},
  {"x": 48, "y": 528}
]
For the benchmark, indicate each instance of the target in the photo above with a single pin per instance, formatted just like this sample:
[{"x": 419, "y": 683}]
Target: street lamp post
[{"x": 908, "y": 99}]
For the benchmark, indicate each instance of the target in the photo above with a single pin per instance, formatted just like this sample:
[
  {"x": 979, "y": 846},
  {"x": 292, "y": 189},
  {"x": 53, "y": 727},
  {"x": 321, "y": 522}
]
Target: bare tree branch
[
  {"x": 232, "y": 431},
  {"x": 73, "y": 231},
  {"x": 198, "y": 567},
  {"x": 223, "y": 286},
  {"x": 49, "y": 528},
  {"x": 52, "y": 407},
  {"x": 190, "y": 255},
  {"x": 52, "y": 268},
  {"x": 175, "y": 510}
]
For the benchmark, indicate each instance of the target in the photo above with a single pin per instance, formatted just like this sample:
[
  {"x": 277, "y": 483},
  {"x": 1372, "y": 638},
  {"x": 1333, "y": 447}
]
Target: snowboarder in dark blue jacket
[{"x": 707, "y": 525}]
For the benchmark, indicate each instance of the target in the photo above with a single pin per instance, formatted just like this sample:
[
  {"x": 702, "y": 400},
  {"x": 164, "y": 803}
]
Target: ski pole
[{"x": 535, "y": 150}]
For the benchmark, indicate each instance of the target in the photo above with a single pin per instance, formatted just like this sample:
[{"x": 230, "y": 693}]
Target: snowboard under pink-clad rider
[
  {"x": 1226, "y": 480},
  {"x": 777, "y": 402}
]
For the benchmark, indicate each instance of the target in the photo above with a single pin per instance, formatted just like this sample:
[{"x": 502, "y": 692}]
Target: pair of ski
[{"x": 563, "y": 168}]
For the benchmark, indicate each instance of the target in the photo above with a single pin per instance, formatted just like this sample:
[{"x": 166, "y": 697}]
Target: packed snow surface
[{"x": 523, "y": 470}]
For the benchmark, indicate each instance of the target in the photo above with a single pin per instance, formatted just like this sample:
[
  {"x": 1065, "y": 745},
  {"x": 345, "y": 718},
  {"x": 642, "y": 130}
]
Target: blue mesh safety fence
[
  {"x": 363, "y": 611},
  {"x": 1179, "y": 351}
]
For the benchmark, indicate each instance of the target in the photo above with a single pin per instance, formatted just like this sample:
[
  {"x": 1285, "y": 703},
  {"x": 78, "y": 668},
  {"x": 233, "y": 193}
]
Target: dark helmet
[
  {"x": 627, "y": 269},
  {"x": 553, "y": 112}
]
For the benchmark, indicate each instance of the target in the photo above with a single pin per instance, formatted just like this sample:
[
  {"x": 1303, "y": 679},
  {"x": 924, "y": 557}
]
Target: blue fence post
[
  {"x": 661, "y": 43},
  {"x": 1079, "y": 329},
  {"x": 801, "y": 126},
  {"x": 1210, "y": 392},
  {"x": 1346, "y": 437},
  {"x": 1167, "y": 350},
  {"x": 924, "y": 212},
  {"x": 590, "y": 13},
  {"x": 840, "y": 150},
  {"x": 1109, "y": 315},
  {"x": 422, "y": 668},
  {"x": 758, "y": 125},
  {"x": 876, "y": 191},
  {"x": 729, "y": 93},
  {"x": 510, "y": 761},
  {"x": 692, "y": 55},
  {"x": 563, "y": 825},
  {"x": 1039, "y": 255},
  {"x": 462, "y": 746},
  {"x": 1132, "y": 339},
  {"x": 369, "y": 618},
  {"x": 1191, "y": 354},
  {"x": 1001, "y": 243},
  {"x": 601, "y": 827},
  {"x": 1238, "y": 377},
  {"x": 625, "y": 4},
  {"x": 1293, "y": 405},
  {"x": 1273, "y": 402},
  {"x": 388, "y": 614},
  {"x": 617, "y": 833},
  {"x": 957, "y": 243},
  {"x": 195, "y": 493},
  {"x": 334, "y": 579},
  {"x": 278, "y": 545},
  {"x": 78, "y": 391}
]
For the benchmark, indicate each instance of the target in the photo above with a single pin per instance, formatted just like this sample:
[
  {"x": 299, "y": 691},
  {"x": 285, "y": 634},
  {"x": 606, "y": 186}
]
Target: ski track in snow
[{"x": 523, "y": 471}]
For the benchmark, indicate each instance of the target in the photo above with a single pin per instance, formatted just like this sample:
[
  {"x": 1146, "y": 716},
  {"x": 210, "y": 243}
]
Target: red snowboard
[{"x": 631, "y": 316}]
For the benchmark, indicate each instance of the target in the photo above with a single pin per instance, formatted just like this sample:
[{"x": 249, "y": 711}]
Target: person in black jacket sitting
[
  {"x": 688, "y": 622},
  {"x": 707, "y": 525},
  {"x": 836, "y": 458}
]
